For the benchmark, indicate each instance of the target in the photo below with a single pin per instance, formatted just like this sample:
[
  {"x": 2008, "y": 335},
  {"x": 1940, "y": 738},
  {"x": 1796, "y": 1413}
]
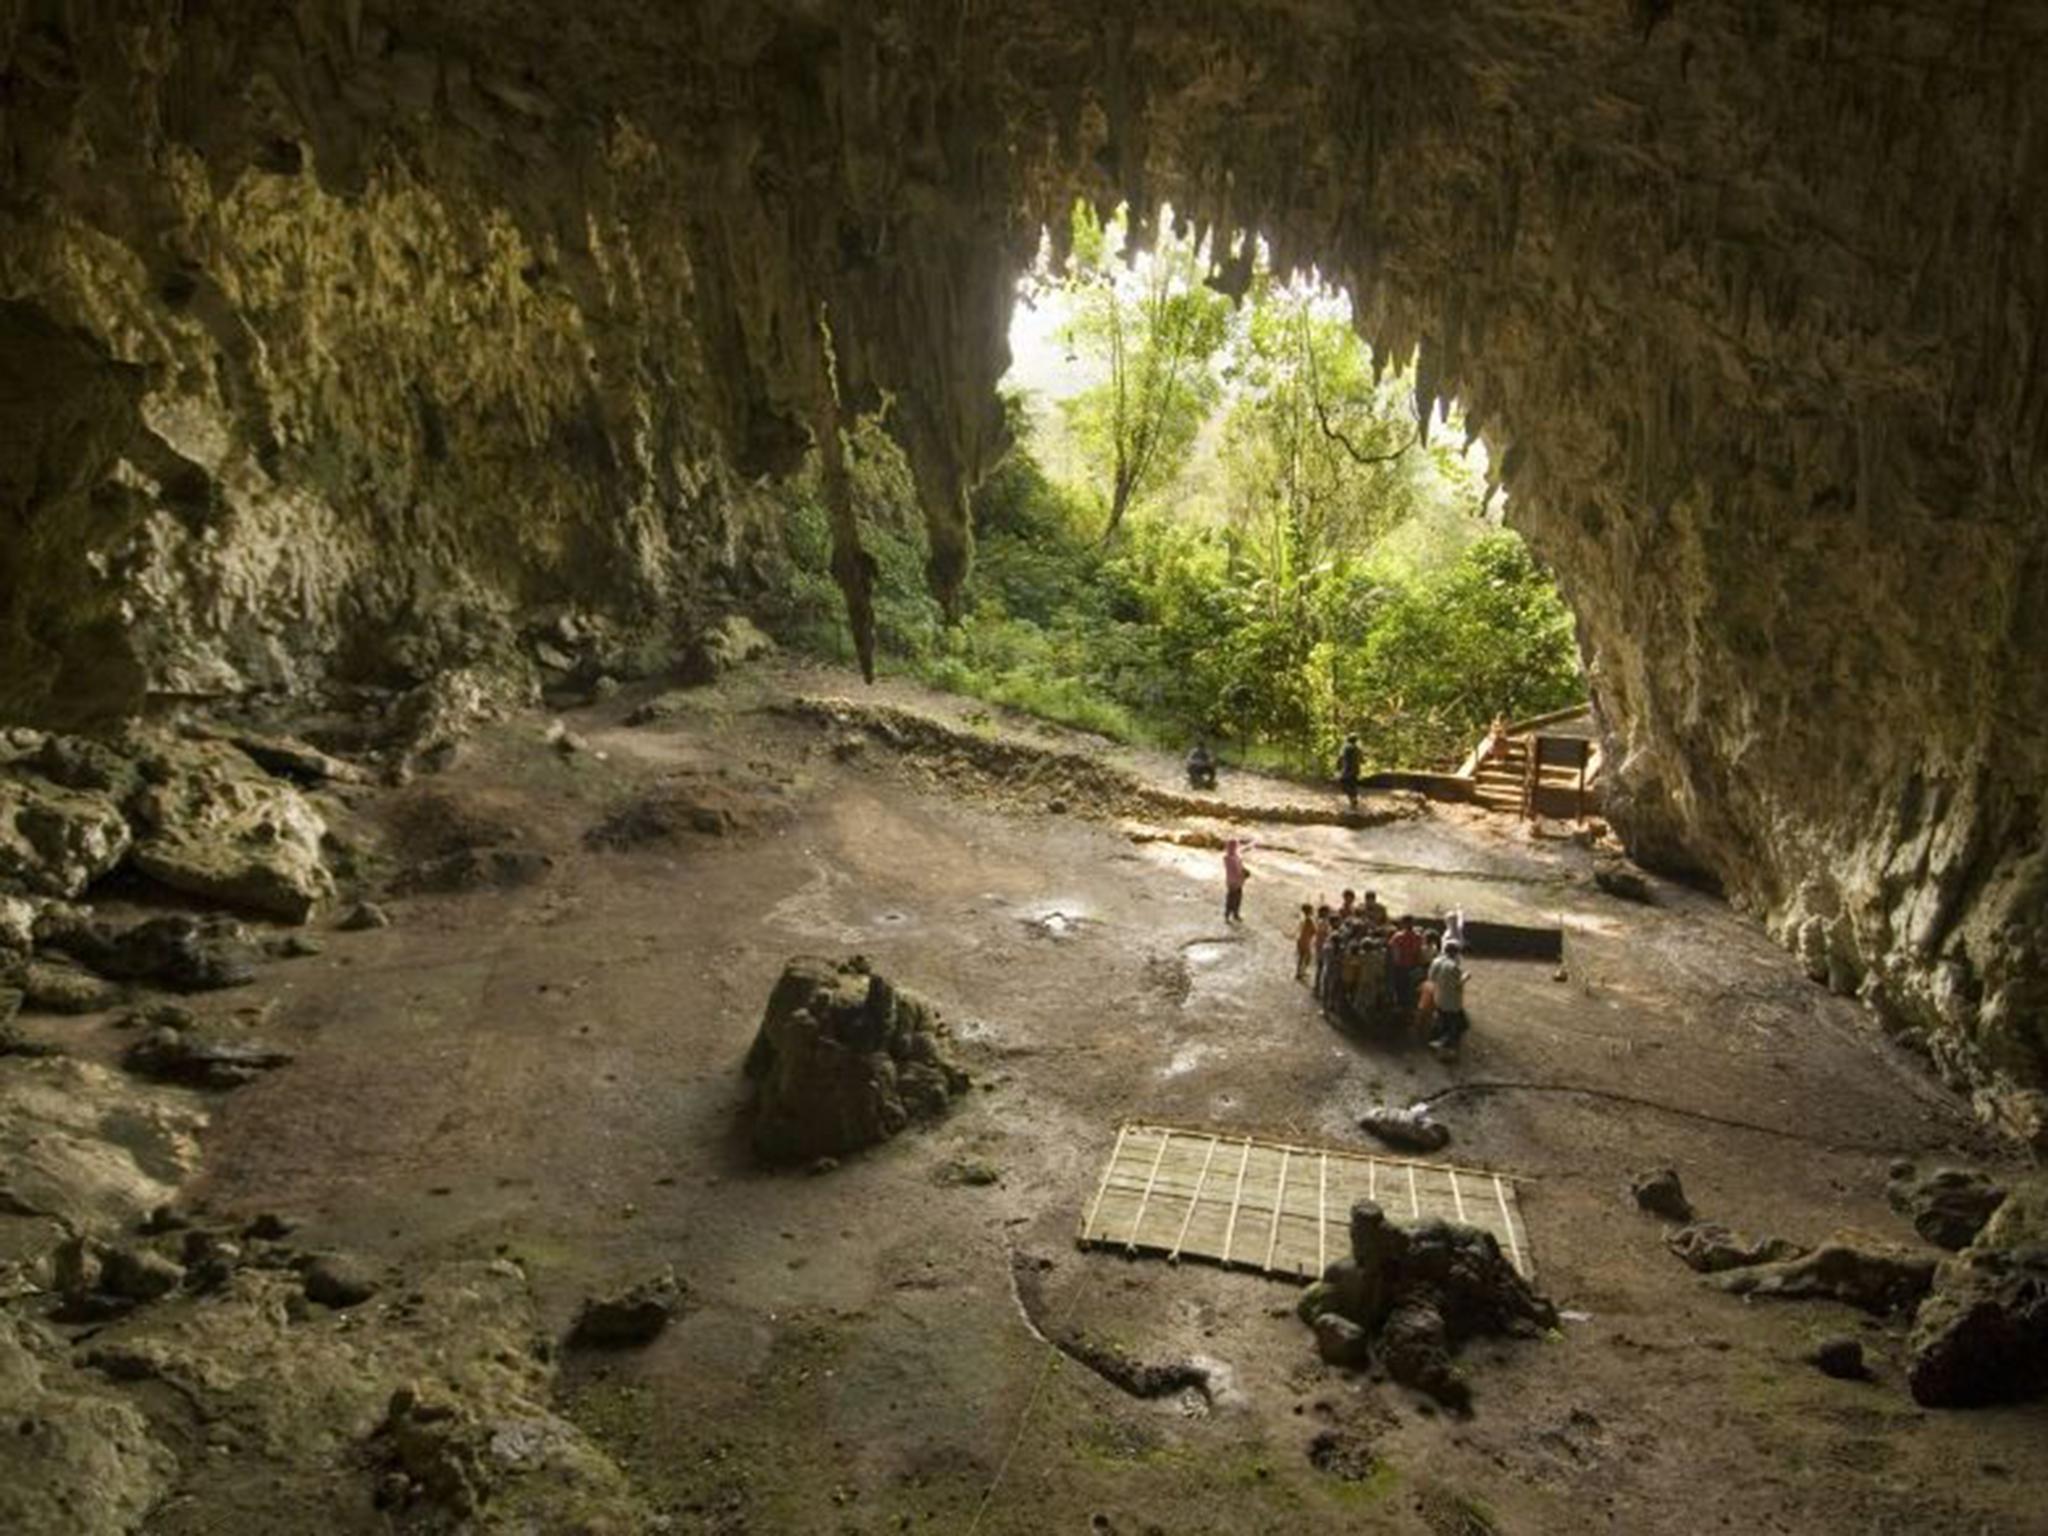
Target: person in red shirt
[{"x": 1405, "y": 960}]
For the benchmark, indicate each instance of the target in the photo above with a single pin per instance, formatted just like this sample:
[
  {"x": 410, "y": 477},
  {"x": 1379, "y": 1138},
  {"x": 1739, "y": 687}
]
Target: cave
[{"x": 347, "y": 349}]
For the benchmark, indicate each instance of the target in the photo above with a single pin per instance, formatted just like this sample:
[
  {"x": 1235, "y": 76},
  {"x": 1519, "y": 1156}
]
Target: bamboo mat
[{"x": 1277, "y": 1207}]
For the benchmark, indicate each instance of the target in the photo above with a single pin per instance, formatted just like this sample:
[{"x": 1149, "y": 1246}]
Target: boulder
[
  {"x": 1712, "y": 1248},
  {"x": 433, "y": 720},
  {"x": 88, "y": 1148},
  {"x": 139, "y": 1274},
  {"x": 1841, "y": 1358},
  {"x": 731, "y": 642},
  {"x": 213, "y": 824},
  {"x": 843, "y": 1060},
  {"x": 199, "y": 1059},
  {"x": 1879, "y": 1280},
  {"x": 52, "y": 987},
  {"x": 1415, "y": 1346},
  {"x": 1619, "y": 878},
  {"x": 56, "y": 841},
  {"x": 1340, "y": 1341},
  {"x": 1661, "y": 1194},
  {"x": 1981, "y": 1336},
  {"x": 285, "y": 756},
  {"x": 79, "y": 762},
  {"x": 1415, "y": 1294},
  {"x": 633, "y": 1316},
  {"x": 17, "y": 927},
  {"x": 1412, "y": 1130},
  {"x": 362, "y": 917},
  {"x": 77, "y": 1458},
  {"x": 1947, "y": 1206},
  {"x": 178, "y": 951}
]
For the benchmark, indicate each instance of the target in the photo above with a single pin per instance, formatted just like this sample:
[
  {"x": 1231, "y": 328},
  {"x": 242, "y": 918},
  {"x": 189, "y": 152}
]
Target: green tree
[
  {"x": 1321, "y": 460},
  {"x": 1154, "y": 327}
]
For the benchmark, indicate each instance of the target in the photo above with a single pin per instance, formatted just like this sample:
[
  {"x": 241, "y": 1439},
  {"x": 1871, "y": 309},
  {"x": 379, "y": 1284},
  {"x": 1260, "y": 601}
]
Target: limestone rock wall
[
  {"x": 327, "y": 353},
  {"x": 340, "y": 331}
]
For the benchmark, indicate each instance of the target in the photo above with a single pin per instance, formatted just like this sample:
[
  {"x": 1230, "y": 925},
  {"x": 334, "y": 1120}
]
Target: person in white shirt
[{"x": 1447, "y": 979}]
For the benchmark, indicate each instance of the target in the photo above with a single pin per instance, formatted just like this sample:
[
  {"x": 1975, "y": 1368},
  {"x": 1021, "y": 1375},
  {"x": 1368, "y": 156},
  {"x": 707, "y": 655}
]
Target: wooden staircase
[
  {"x": 1502, "y": 779},
  {"x": 1497, "y": 781}
]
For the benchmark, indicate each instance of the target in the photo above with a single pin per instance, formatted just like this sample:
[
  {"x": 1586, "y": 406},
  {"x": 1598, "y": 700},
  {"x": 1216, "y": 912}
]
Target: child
[
  {"x": 1304, "y": 941},
  {"x": 1405, "y": 961},
  {"x": 1234, "y": 877},
  {"x": 1323, "y": 930}
]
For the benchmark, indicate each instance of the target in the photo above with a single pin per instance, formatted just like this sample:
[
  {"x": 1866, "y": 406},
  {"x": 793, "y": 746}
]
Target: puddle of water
[
  {"x": 811, "y": 909},
  {"x": 1057, "y": 920}
]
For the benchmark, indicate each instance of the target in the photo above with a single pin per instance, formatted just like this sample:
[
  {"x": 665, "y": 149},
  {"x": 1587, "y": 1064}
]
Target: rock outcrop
[
  {"x": 199, "y": 816},
  {"x": 353, "y": 343},
  {"x": 843, "y": 1060},
  {"x": 1981, "y": 1336},
  {"x": 1409, "y": 1297},
  {"x": 1947, "y": 1206}
]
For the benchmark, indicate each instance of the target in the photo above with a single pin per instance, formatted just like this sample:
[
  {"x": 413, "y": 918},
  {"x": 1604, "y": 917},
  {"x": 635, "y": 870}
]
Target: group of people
[{"x": 1370, "y": 968}]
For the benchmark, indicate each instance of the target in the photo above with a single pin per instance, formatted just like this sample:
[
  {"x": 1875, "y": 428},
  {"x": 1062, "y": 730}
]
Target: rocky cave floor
[{"x": 527, "y": 1092}]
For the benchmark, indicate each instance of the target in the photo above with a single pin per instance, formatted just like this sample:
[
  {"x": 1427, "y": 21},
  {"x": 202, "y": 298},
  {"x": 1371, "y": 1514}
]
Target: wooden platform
[{"x": 1276, "y": 1207}]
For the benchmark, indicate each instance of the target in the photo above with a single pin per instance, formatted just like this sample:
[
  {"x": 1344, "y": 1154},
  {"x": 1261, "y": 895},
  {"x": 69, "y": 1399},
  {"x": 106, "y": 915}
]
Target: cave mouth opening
[{"x": 1225, "y": 517}]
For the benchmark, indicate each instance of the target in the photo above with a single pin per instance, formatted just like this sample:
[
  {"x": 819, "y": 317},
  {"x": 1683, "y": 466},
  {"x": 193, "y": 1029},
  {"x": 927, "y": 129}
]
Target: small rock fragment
[
  {"x": 1712, "y": 1248},
  {"x": 1340, "y": 1341},
  {"x": 969, "y": 1170},
  {"x": 139, "y": 1274},
  {"x": 1841, "y": 1358},
  {"x": 54, "y": 988},
  {"x": 1661, "y": 1194},
  {"x": 1618, "y": 878},
  {"x": 1948, "y": 1207},
  {"x": 1412, "y": 1129},
  {"x": 364, "y": 915},
  {"x": 634, "y": 1316}
]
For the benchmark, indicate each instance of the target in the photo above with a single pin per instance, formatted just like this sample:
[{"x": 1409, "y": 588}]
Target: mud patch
[
  {"x": 433, "y": 822},
  {"x": 1345, "y": 1455},
  {"x": 1168, "y": 976},
  {"x": 1448, "y": 1512},
  {"x": 687, "y": 807}
]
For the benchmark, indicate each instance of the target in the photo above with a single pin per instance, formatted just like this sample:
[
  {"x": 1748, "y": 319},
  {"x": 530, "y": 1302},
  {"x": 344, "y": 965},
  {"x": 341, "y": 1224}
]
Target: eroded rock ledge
[{"x": 346, "y": 342}]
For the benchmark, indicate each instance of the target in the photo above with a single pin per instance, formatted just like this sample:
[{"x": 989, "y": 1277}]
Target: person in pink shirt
[{"x": 1234, "y": 877}]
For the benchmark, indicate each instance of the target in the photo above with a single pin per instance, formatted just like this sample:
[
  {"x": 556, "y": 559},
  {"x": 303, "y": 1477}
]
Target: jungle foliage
[{"x": 1251, "y": 540}]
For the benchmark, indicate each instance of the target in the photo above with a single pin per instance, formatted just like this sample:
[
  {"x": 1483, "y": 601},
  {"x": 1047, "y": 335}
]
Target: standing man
[
  {"x": 1234, "y": 877},
  {"x": 1447, "y": 978},
  {"x": 1350, "y": 765}
]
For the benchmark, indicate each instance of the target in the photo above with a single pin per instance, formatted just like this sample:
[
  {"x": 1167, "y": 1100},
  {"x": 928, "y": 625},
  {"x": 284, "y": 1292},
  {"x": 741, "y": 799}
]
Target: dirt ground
[{"x": 552, "y": 1072}]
